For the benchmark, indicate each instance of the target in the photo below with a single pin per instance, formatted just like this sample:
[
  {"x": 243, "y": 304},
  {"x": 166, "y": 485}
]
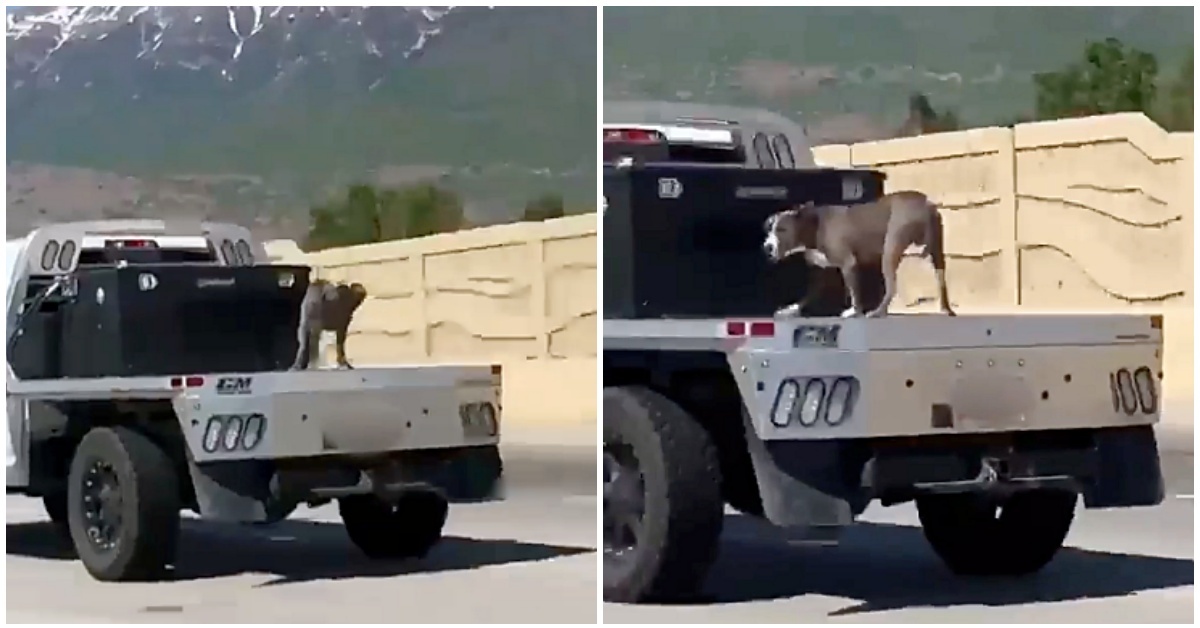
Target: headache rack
[{"x": 685, "y": 240}]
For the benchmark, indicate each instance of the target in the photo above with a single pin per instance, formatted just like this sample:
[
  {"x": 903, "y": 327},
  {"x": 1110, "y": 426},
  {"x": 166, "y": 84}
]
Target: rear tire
[
  {"x": 56, "y": 508},
  {"x": 407, "y": 528},
  {"x": 663, "y": 509},
  {"x": 969, "y": 535},
  {"x": 123, "y": 506}
]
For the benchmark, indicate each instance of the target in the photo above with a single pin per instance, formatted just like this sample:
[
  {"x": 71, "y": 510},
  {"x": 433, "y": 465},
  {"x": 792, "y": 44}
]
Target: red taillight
[
  {"x": 132, "y": 244},
  {"x": 191, "y": 381},
  {"x": 632, "y": 136},
  {"x": 755, "y": 329},
  {"x": 762, "y": 329}
]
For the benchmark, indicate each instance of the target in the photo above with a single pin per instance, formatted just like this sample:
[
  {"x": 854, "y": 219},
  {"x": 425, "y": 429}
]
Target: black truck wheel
[
  {"x": 407, "y": 528},
  {"x": 981, "y": 535},
  {"x": 123, "y": 506},
  {"x": 663, "y": 509}
]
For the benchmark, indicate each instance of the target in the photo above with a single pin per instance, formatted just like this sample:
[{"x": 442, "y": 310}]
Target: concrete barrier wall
[
  {"x": 521, "y": 294},
  {"x": 1085, "y": 215}
]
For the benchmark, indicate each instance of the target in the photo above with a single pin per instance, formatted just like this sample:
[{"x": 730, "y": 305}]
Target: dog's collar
[{"x": 811, "y": 255}]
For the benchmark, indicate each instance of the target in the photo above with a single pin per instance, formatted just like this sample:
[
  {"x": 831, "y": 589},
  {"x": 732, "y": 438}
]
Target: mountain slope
[
  {"x": 830, "y": 62},
  {"x": 499, "y": 102}
]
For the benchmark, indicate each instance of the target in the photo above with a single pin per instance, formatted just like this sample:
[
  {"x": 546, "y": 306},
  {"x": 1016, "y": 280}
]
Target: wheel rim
[
  {"x": 101, "y": 506},
  {"x": 624, "y": 502}
]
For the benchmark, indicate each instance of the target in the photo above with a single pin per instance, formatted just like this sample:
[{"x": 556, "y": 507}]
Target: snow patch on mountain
[{"x": 35, "y": 35}]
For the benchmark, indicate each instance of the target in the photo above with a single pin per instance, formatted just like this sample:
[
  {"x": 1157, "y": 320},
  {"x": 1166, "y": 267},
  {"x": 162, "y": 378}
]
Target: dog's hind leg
[
  {"x": 340, "y": 333},
  {"x": 935, "y": 248},
  {"x": 889, "y": 265}
]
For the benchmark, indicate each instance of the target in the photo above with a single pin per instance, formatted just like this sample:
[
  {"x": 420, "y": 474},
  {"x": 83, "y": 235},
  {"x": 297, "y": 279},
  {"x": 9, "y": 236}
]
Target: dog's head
[
  {"x": 358, "y": 294},
  {"x": 791, "y": 231}
]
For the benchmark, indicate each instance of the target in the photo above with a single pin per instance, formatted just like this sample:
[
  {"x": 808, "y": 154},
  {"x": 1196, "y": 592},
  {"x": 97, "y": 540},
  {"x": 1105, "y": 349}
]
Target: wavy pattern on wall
[
  {"x": 1047, "y": 198},
  {"x": 482, "y": 314},
  {"x": 1120, "y": 189},
  {"x": 1127, "y": 296},
  {"x": 571, "y": 304},
  {"x": 1097, "y": 223}
]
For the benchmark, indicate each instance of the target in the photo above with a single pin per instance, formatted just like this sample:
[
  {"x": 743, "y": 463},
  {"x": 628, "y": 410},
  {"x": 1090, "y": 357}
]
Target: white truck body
[{"x": 994, "y": 373}]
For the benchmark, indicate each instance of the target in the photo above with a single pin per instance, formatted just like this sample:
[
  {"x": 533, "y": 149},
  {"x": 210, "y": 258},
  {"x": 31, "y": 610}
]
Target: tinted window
[
  {"x": 762, "y": 151},
  {"x": 245, "y": 255},
  {"x": 50, "y": 255},
  {"x": 135, "y": 257},
  {"x": 66, "y": 255},
  {"x": 783, "y": 150},
  {"x": 706, "y": 154}
]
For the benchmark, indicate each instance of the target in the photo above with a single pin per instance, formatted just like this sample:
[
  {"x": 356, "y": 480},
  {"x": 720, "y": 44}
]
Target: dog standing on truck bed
[
  {"x": 850, "y": 237},
  {"x": 326, "y": 307}
]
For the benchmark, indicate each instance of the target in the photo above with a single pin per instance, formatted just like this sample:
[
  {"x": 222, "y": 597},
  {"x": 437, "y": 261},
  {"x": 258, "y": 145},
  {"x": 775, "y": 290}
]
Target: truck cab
[{"x": 703, "y": 134}]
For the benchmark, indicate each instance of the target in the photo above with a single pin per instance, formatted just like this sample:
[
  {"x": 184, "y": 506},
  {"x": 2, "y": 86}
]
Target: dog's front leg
[
  {"x": 849, "y": 270},
  {"x": 304, "y": 341}
]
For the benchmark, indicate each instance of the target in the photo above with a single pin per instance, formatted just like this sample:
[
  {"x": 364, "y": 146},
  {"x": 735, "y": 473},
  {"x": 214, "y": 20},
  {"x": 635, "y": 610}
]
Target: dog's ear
[{"x": 806, "y": 215}]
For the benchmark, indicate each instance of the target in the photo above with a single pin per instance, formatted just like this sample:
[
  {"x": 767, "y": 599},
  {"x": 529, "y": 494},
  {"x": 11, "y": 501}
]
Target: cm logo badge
[{"x": 235, "y": 385}]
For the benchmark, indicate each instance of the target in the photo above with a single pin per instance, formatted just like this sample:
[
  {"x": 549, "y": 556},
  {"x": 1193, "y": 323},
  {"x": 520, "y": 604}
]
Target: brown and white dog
[
  {"x": 326, "y": 307},
  {"x": 850, "y": 237}
]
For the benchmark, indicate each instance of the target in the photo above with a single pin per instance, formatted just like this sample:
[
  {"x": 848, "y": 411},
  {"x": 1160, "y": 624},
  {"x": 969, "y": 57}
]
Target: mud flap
[
  {"x": 474, "y": 475},
  {"x": 232, "y": 491},
  {"x": 801, "y": 482},
  {"x": 1129, "y": 472}
]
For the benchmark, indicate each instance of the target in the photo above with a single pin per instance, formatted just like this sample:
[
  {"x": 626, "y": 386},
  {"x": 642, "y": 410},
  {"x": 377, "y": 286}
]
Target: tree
[
  {"x": 1180, "y": 115},
  {"x": 923, "y": 118},
  {"x": 367, "y": 214},
  {"x": 544, "y": 207},
  {"x": 1112, "y": 78},
  {"x": 425, "y": 209}
]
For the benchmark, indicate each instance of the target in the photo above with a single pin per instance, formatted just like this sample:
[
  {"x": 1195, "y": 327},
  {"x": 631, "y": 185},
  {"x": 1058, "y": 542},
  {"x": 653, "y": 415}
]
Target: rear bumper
[
  {"x": 263, "y": 491},
  {"x": 828, "y": 483}
]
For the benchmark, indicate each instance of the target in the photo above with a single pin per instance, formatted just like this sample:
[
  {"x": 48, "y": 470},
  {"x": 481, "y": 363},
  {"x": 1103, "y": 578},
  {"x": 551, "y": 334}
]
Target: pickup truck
[
  {"x": 995, "y": 426},
  {"x": 147, "y": 374}
]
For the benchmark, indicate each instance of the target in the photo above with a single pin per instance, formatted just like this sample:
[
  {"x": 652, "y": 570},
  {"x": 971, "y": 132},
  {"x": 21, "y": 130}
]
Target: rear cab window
[{"x": 137, "y": 251}]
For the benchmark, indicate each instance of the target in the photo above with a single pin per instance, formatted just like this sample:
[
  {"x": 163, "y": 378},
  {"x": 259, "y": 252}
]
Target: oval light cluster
[
  {"x": 480, "y": 415},
  {"x": 815, "y": 400},
  {"x": 232, "y": 432}
]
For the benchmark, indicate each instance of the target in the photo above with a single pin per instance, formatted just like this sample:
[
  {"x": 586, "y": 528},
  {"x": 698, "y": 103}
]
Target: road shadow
[
  {"x": 888, "y": 567},
  {"x": 295, "y": 551}
]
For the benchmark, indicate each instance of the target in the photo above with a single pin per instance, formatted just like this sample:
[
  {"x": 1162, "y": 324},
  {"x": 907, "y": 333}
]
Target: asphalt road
[
  {"x": 530, "y": 559},
  {"x": 1122, "y": 566}
]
